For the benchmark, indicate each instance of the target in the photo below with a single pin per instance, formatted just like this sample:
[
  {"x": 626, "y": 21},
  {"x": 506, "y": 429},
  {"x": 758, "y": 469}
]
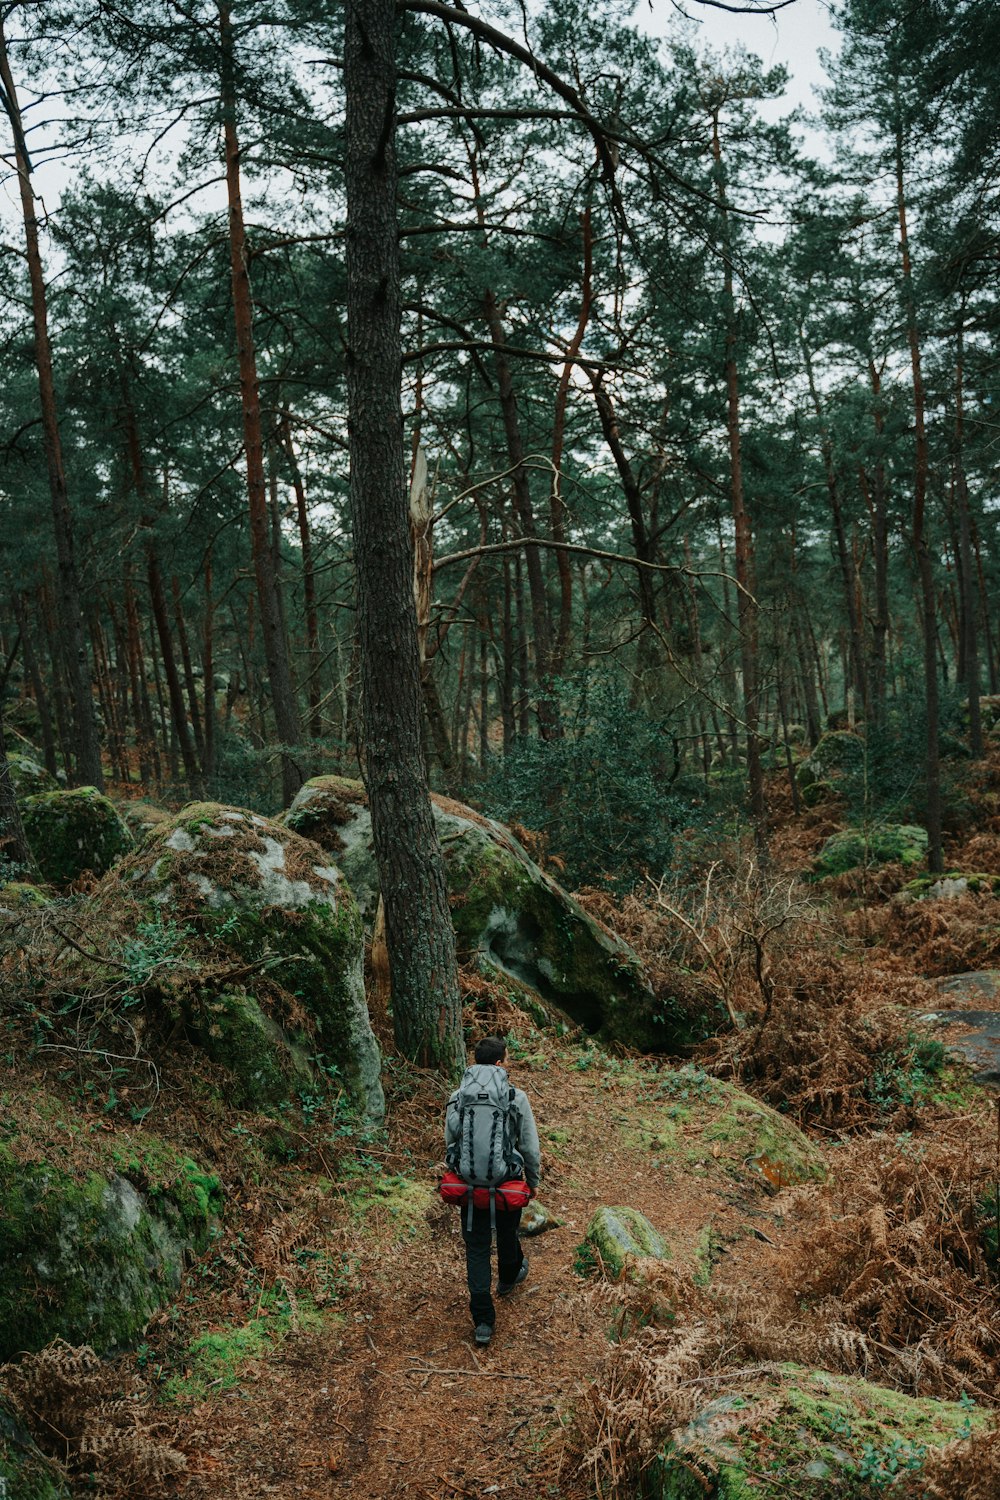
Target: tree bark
[
  {"x": 548, "y": 720},
  {"x": 88, "y": 748},
  {"x": 746, "y": 604},
  {"x": 935, "y": 856},
  {"x": 14, "y": 847},
  {"x": 314, "y": 693},
  {"x": 427, "y": 1016},
  {"x": 286, "y": 714}
]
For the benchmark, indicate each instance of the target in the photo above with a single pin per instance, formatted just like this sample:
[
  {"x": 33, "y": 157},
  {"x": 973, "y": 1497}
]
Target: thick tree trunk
[
  {"x": 88, "y": 748},
  {"x": 427, "y": 1016},
  {"x": 286, "y": 714}
]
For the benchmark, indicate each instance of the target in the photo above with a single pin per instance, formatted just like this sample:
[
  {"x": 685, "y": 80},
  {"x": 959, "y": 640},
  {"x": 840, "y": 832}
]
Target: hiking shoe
[
  {"x": 505, "y": 1291},
  {"x": 483, "y": 1333}
]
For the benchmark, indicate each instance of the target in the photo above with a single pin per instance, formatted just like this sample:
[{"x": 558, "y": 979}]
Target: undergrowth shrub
[
  {"x": 949, "y": 936},
  {"x": 97, "y": 1420},
  {"x": 894, "y": 1281},
  {"x": 607, "y": 793},
  {"x": 834, "y": 1050}
]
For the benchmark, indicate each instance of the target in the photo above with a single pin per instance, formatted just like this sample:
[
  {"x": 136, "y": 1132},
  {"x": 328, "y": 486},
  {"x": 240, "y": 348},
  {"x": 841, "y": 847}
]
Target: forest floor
[{"x": 391, "y": 1398}]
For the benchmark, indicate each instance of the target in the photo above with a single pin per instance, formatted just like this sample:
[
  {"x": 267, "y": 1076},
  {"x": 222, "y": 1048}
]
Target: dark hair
[{"x": 492, "y": 1049}]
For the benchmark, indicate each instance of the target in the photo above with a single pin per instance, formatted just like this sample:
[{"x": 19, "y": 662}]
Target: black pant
[{"x": 478, "y": 1245}]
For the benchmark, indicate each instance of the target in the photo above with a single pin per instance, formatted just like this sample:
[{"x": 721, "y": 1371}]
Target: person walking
[{"x": 490, "y": 1135}]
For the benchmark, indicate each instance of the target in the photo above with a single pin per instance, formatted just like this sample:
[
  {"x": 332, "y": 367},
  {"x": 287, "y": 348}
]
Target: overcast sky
[{"x": 792, "y": 37}]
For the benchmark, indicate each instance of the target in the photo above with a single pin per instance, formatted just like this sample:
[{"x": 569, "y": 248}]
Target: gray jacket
[{"x": 523, "y": 1130}]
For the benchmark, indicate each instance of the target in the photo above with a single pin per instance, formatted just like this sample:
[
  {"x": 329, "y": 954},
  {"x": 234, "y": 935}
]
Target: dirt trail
[{"x": 395, "y": 1400}]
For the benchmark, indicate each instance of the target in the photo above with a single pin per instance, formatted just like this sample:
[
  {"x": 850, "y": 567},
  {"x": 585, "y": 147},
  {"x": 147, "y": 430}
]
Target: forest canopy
[{"x": 699, "y": 409}]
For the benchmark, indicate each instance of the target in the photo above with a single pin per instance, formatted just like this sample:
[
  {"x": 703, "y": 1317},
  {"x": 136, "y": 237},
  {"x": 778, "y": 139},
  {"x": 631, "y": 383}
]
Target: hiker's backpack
[{"x": 484, "y": 1169}]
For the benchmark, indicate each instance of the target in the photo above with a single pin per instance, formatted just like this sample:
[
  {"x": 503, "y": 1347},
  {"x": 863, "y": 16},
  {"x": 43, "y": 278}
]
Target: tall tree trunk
[
  {"x": 189, "y": 683},
  {"x": 88, "y": 748},
  {"x": 178, "y": 713},
  {"x": 746, "y": 603},
  {"x": 969, "y": 625},
  {"x": 921, "y": 547},
  {"x": 548, "y": 722},
  {"x": 314, "y": 692},
  {"x": 14, "y": 847},
  {"x": 286, "y": 714},
  {"x": 858, "y": 675},
  {"x": 427, "y": 1016},
  {"x": 37, "y": 687},
  {"x": 557, "y": 508},
  {"x": 208, "y": 667}
]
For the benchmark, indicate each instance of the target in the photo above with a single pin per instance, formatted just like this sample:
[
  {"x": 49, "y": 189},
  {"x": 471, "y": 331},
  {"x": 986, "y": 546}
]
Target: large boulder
[
  {"x": 837, "y": 759},
  {"x": 29, "y": 775},
  {"x": 278, "y": 903},
  {"x": 73, "y": 832},
  {"x": 508, "y": 914},
  {"x": 886, "y": 843},
  {"x": 25, "y": 1474},
  {"x": 89, "y": 1255},
  {"x": 790, "y": 1432}
]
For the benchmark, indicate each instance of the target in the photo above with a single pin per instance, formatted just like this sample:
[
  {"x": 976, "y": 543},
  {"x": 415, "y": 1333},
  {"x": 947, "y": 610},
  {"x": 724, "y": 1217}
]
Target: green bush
[{"x": 605, "y": 793}]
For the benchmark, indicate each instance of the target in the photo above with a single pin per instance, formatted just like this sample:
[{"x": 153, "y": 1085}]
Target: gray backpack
[{"x": 483, "y": 1155}]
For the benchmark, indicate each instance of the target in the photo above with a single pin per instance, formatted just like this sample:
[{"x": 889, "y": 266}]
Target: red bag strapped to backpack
[{"x": 514, "y": 1193}]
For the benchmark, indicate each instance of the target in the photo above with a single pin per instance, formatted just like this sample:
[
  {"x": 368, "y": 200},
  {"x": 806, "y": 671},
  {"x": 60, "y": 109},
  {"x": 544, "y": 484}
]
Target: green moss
[
  {"x": 29, "y": 776},
  {"x": 18, "y": 896},
  {"x": 952, "y": 883},
  {"x": 888, "y": 843},
  {"x": 90, "y": 1258},
  {"x": 218, "y": 1360},
  {"x": 24, "y": 1473},
  {"x": 688, "y": 1104},
  {"x": 808, "y": 1434},
  {"x": 70, "y": 832},
  {"x": 616, "y": 1235},
  {"x": 401, "y": 1200}
]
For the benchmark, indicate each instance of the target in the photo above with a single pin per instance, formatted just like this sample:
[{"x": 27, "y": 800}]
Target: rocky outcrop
[
  {"x": 791, "y": 1432},
  {"x": 509, "y": 915},
  {"x": 297, "y": 1011},
  {"x": 89, "y": 1255},
  {"x": 73, "y": 832},
  {"x": 883, "y": 844},
  {"x": 25, "y": 1474}
]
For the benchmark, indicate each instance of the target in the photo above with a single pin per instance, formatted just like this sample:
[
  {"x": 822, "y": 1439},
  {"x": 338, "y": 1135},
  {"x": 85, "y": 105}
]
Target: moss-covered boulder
[
  {"x": 692, "y": 1122},
  {"x": 29, "y": 775},
  {"x": 508, "y": 914},
  {"x": 887, "y": 843},
  {"x": 950, "y": 885},
  {"x": 142, "y": 817},
  {"x": 275, "y": 900},
  {"x": 25, "y": 1474},
  {"x": 17, "y": 898},
  {"x": 617, "y": 1236},
  {"x": 804, "y": 1434},
  {"x": 89, "y": 1254},
  {"x": 838, "y": 757},
  {"x": 71, "y": 832}
]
